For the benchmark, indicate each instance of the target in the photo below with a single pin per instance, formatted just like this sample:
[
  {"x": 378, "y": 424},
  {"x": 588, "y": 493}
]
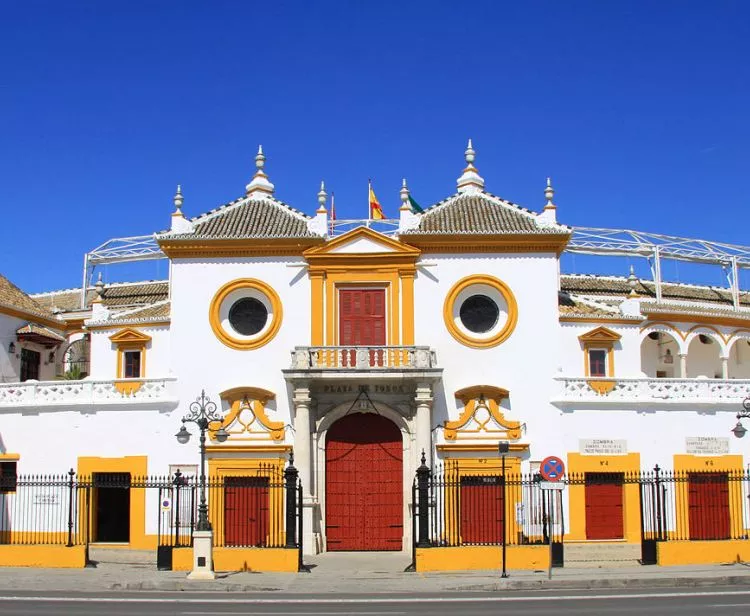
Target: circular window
[
  {"x": 479, "y": 314},
  {"x": 248, "y": 316},
  {"x": 480, "y": 311},
  {"x": 245, "y": 314}
]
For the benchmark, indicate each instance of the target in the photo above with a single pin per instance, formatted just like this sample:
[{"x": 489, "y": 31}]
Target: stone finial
[
  {"x": 632, "y": 282},
  {"x": 322, "y": 197},
  {"x": 404, "y": 196},
  {"x": 178, "y": 200},
  {"x": 259, "y": 186},
  {"x": 470, "y": 180},
  {"x": 549, "y": 193},
  {"x": 99, "y": 286}
]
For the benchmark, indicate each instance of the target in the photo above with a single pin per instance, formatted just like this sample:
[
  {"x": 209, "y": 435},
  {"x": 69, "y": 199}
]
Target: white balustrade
[
  {"x": 86, "y": 391},
  {"x": 637, "y": 390},
  {"x": 363, "y": 358}
]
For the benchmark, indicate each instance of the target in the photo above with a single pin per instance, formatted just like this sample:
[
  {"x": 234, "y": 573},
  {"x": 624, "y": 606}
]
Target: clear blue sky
[{"x": 638, "y": 111}]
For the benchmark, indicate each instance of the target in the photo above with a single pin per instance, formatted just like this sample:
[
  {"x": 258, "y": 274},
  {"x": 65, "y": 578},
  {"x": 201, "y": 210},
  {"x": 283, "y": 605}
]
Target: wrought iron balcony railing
[
  {"x": 86, "y": 391},
  {"x": 363, "y": 358}
]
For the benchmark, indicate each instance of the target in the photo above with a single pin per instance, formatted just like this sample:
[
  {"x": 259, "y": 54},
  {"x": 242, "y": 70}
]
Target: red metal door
[
  {"x": 364, "y": 484},
  {"x": 246, "y": 505},
  {"x": 362, "y": 321},
  {"x": 481, "y": 504},
  {"x": 604, "y": 515},
  {"x": 708, "y": 505}
]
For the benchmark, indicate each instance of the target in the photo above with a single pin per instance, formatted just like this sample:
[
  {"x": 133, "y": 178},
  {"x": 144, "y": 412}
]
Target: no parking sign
[{"x": 552, "y": 468}]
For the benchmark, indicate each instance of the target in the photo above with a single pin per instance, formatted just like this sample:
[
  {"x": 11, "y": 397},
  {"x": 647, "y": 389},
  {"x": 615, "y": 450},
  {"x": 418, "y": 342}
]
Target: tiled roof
[
  {"x": 575, "y": 306},
  {"x": 119, "y": 295},
  {"x": 39, "y": 330},
  {"x": 250, "y": 218},
  {"x": 618, "y": 286},
  {"x": 12, "y": 297},
  {"x": 156, "y": 312},
  {"x": 481, "y": 214}
]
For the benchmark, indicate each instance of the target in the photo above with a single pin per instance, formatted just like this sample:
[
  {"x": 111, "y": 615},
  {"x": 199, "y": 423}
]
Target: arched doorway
[{"x": 364, "y": 484}]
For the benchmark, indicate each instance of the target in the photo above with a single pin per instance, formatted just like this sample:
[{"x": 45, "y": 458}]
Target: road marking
[
  {"x": 249, "y": 600},
  {"x": 326, "y": 613}
]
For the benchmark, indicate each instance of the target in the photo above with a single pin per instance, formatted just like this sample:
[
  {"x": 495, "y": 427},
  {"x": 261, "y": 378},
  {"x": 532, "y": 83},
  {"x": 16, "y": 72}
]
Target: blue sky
[{"x": 638, "y": 111}]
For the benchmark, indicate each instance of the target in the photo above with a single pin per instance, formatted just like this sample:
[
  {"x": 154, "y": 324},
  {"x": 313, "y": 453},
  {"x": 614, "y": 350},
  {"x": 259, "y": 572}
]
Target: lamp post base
[{"x": 203, "y": 562}]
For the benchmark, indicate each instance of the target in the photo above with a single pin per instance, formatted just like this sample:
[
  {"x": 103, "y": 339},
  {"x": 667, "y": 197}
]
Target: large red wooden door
[
  {"x": 246, "y": 504},
  {"x": 708, "y": 505},
  {"x": 364, "y": 484},
  {"x": 604, "y": 514},
  {"x": 362, "y": 321},
  {"x": 481, "y": 504}
]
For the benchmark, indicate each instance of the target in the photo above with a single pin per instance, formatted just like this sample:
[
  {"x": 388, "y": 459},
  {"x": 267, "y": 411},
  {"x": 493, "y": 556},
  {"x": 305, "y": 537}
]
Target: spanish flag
[{"x": 376, "y": 212}]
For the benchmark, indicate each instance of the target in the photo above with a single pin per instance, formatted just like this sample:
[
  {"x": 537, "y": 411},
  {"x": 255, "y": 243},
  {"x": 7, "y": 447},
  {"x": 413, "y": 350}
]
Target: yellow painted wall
[
  {"x": 137, "y": 466},
  {"x": 476, "y": 557},
  {"x": 53, "y": 556},
  {"x": 702, "y": 552},
  {"x": 241, "y": 559},
  {"x": 630, "y": 463}
]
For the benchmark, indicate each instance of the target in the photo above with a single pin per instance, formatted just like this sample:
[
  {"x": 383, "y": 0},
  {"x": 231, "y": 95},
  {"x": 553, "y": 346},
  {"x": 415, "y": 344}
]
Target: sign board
[
  {"x": 551, "y": 485},
  {"x": 166, "y": 503},
  {"x": 602, "y": 447},
  {"x": 552, "y": 468},
  {"x": 707, "y": 445},
  {"x": 520, "y": 514}
]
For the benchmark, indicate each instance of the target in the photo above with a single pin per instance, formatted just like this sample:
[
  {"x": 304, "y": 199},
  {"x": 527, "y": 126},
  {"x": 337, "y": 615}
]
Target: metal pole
[
  {"x": 177, "y": 483},
  {"x": 549, "y": 510},
  {"x": 203, "y": 523},
  {"x": 423, "y": 490},
  {"x": 504, "y": 512},
  {"x": 71, "y": 473}
]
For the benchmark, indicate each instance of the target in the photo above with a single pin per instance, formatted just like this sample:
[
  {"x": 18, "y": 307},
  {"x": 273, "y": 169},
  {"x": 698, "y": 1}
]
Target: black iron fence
[{"x": 261, "y": 508}]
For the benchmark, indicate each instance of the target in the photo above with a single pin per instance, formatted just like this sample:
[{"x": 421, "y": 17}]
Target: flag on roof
[
  {"x": 415, "y": 207},
  {"x": 376, "y": 212}
]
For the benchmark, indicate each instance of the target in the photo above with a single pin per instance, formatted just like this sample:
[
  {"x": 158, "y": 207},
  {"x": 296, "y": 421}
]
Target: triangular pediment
[
  {"x": 129, "y": 335},
  {"x": 362, "y": 240},
  {"x": 600, "y": 334}
]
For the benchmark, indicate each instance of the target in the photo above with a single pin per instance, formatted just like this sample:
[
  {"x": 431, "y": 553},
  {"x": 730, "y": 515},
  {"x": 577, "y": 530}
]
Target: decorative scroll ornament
[
  {"x": 482, "y": 417},
  {"x": 247, "y": 419}
]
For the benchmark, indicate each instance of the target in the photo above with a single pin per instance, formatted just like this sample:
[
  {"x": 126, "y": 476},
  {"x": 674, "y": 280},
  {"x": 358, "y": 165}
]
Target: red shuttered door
[
  {"x": 708, "y": 505},
  {"x": 364, "y": 484},
  {"x": 362, "y": 321},
  {"x": 246, "y": 506},
  {"x": 604, "y": 515},
  {"x": 481, "y": 510}
]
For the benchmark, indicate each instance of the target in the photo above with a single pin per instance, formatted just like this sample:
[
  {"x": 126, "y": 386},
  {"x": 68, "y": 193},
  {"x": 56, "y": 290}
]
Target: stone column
[
  {"x": 303, "y": 461},
  {"x": 423, "y": 426},
  {"x": 724, "y": 367},
  {"x": 683, "y": 366}
]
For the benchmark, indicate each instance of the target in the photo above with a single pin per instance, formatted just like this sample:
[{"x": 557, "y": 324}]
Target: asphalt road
[{"x": 711, "y": 602}]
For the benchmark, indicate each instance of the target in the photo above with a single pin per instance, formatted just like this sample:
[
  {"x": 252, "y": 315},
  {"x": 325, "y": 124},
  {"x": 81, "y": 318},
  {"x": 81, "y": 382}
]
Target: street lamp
[
  {"x": 503, "y": 448},
  {"x": 739, "y": 430},
  {"x": 202, "y": 413}
]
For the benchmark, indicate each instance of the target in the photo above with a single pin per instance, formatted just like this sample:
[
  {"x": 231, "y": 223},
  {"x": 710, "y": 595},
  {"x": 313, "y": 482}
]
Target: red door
[
  {"x": 604, "y": 515},
  {"x": 481, "y": 510},
  {"x": 708, "y": 505},
  {"x": 362, "y": 322},
  {"x": 246, "y": 505},
  {"x": 364, "y": 484}
]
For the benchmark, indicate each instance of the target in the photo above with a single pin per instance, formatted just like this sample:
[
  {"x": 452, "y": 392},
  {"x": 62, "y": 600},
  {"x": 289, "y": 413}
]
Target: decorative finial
[
  {"x": 178, "y": 200},
  {"x": 259, "y": 183},
  {"x": 99, "y": 286},
  {"x": 322, "y": 198},
  {"x": 549, "y": 193},
  {"x": 424, "y": 459},
  {"x": 632, "y": 282},
  {"x": 404, "y": 195},
  {"x": 470, "y": 181}
]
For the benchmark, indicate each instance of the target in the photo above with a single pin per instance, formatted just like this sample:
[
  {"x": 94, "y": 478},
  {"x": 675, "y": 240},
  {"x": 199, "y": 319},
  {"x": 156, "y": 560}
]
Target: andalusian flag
[
  {"x": 415, "y": 207},
  {"x": 376, "y": 212}
]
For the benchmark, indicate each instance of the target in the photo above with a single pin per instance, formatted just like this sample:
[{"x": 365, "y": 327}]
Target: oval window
[
  {"x": 479, "y": 313},
  {"x": 248, "y": 316}
]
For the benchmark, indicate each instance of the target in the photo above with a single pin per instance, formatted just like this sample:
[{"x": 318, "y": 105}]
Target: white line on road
[
  {"x": 374, "y": 599},
  {"x": 326, "y": 613}
]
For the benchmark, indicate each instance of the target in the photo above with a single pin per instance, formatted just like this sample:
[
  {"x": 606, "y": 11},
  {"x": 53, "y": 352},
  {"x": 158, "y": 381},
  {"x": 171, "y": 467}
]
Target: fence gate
[
  {"x": 176, "y": 519},
  {"x": 652, "y": 515}
]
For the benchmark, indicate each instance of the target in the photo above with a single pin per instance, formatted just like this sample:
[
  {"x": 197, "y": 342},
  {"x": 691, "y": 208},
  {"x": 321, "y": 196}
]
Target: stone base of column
[
  {"x": 203, "y": 562},
  {"x": 310, "y": 539}
]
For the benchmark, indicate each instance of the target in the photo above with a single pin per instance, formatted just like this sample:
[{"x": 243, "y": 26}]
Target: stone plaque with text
[
  {"x": 603, "y": 446},
  {"x": 707, "y": 445}
]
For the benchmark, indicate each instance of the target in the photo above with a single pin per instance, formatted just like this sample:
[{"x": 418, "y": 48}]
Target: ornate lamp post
[
  {"x": 202, "y": 413},
  {"x": 739, "y": 430}
]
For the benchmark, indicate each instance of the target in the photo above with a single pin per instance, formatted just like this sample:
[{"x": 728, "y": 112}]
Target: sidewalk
[{"x": 364, "y": 573}]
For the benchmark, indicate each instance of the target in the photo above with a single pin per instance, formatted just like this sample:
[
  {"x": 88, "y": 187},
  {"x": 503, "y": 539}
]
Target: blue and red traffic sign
[{"x": 552, "y": 468}]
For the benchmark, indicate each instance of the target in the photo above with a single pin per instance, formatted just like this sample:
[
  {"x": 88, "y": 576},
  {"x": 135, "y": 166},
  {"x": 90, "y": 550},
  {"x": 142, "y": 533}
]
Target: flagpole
[{"x": 369, "y": 205}]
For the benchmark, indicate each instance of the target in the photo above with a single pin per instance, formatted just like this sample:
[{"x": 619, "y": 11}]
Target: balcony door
[{"x": 362, "y": 322}]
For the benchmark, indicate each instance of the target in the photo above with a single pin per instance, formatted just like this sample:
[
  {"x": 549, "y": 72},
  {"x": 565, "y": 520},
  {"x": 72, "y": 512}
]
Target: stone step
[
  {"x": 103, "y": 554},
  {"x": 602, "y": 554}
]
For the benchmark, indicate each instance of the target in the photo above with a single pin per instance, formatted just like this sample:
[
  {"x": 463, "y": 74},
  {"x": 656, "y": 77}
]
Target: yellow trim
[
  {"x": 278, "y": 247},
  {"x": 44, "y": 556},
  {"x": 492, "y": 397},
  {"x": 129, "y": 340},
  {"x": 688, "y": 463},
  {"x": 220, "y": 468},
  {"x": 584, "y": 319},
  {"x": 631, "y": 508},
  {"x": 256, "y": 399},
  {"x": 237, "y": 343},
  {"x": 242, "y": 559},
  {"x": 471, "y": 341},
  {"x": 407, "y": 305},
  {"x": 482, "y": 557},
  {"x": 457, "y": 243},
  {"x": 116, "y": 326},
  {"x": 317, "y": 290},
  {"x": 600, "y": 338},
  {"x": 249, "y": 448},
  {"x": 663, "y": 324},
  {"x": 702, "y": 552},
  {"x": 479, "y": 447},
  {"x": 710, "y": 327},
  {"x": 703, "y": 319},
  {"x": 10, "y": 457},
  {"x": 137, "y": 466}
]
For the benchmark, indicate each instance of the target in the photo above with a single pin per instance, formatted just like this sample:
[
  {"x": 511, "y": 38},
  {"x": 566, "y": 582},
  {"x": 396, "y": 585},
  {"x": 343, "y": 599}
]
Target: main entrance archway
[{"x": 364, "y": 484}]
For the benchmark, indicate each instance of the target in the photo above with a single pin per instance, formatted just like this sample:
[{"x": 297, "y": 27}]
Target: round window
[
  {"x": 248, "y": 316},
  {"x": 479, "y": 314}
]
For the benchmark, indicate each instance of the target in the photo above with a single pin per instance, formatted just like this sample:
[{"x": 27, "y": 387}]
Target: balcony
[
  {"x": 97, "y": 394},
  {"x": 588, "y": 392},
  {"x": 357, "y": 361}
]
